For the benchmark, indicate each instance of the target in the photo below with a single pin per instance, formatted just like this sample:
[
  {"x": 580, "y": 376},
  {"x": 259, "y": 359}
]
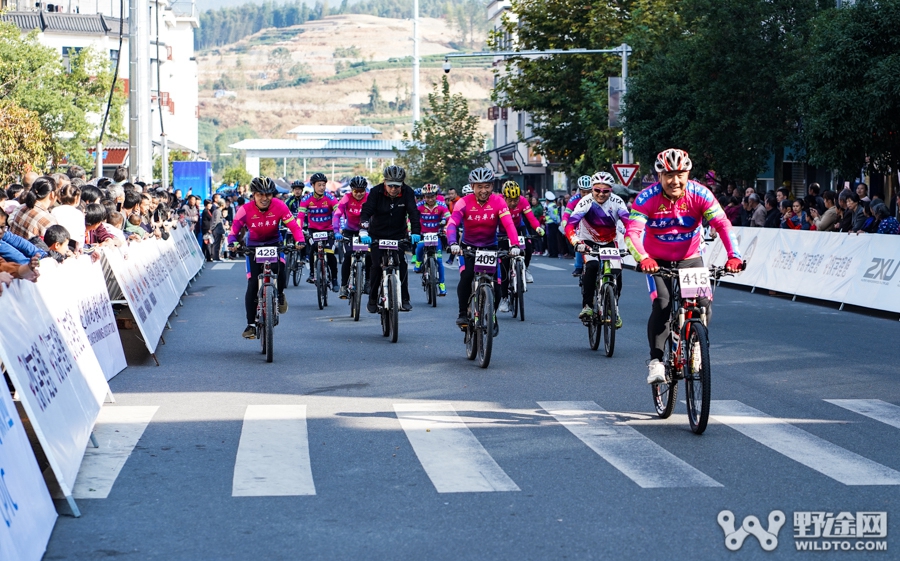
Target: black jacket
[
  {"x": 385, "y": 217},
  {"x": 773, "y": 219}
]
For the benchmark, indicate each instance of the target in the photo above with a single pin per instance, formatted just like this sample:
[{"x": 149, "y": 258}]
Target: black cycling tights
[
  {"x": 256, "y": 269},
  {"x": 589, "y": 282},
  {"x": 658, "y": 324}
]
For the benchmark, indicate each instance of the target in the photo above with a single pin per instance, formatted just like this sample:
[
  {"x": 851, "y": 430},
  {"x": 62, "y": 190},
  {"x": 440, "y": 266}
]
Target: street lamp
[{"x": 622, "y": 50}]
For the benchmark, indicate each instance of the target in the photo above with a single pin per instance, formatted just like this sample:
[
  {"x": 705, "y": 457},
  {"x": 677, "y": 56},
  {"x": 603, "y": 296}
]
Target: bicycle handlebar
[{"x": 715, "y": 272}]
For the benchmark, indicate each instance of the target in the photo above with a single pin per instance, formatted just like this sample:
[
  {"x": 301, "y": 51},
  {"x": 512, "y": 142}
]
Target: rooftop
[
  {"x": 330, "y": 130},
  {"x": 78, "y": 24}
]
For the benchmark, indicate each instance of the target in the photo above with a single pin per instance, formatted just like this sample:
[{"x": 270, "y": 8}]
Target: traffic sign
[{"x": 625, "y": 172}]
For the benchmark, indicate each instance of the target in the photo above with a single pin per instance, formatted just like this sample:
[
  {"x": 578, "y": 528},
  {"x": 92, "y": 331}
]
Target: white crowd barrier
[
  {"x": 153, "y": 275},
  {"x": 844, "y": 268}
]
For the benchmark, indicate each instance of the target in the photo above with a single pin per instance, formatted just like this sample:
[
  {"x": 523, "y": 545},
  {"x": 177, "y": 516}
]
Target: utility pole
[
  {"x": 415, "y": 88},
  {"x": 140, "y": 158},
  {"x": 625, "y": 49}
]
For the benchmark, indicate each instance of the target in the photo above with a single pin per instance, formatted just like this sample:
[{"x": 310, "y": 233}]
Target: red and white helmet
[
  {"x": 430, "y": 189},
  {"x": 602, "y": 177},
  {"x": 673, "y": 159}
]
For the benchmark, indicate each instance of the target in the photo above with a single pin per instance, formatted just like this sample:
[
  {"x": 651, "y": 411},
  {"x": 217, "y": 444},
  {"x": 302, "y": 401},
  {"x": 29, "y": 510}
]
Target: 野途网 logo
[{"x": 768, "y": 538}]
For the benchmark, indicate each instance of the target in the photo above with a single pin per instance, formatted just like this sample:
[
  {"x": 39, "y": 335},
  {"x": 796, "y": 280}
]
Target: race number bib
[
  {"x": 610, "y": 253},
  {"x": 266, "y": 254},
  {"x": 522, "y": 241},
  {"x": 430, "y": 239},
  {"x": 485, "y": 261},
  {"x": 388, "y": 244},
  {"x": 320, "y": 236},
  {"x": 694, "y": 282},
  {"x": 357, "y": 246}
]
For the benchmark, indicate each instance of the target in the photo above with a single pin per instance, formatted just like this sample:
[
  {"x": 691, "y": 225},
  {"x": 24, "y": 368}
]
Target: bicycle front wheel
[
  {"x": 697, "y": 375},
  {"x": 270, "y": 324},
  {"x": 593, "y": 324},
  {"x": 290, "y": 259},
  {"x": 394, "y": 299},
  {"x": 356, "y": 295},
  {"x": 485, "y": 326},
  {"x": 297, "y": 270},
  {"x": 432, "y": 282},
  {"x": 520, "y": 288},
  {"x": 320, "y": 281},
  {"x": 610, "y": 316},
  {"x": 665, "y": 393}
]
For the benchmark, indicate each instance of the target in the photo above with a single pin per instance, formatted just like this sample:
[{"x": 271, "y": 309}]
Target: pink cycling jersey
[
  {"x": 317, "y": 211},
  {"x": 431, "y": 218},
  {"x": 480, "y": 222},
  {"x": 521, "y": 209},
  {"x": 348, "y": 209},
  {"x": 672, "y": 230},
  {"x": 262, "y": 225}
]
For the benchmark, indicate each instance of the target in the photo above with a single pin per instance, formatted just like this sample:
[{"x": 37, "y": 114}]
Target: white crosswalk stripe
[
  {"x": 546, "y": 267},
  {"x": 450, "y": 454},
  {"x": 222, "y": 266},
  {"x": 636, "y": 456},
  {"x": 881, "y": 411},
  {"x": 273, "y": 454},
  {"x": 816, "y": 453},
  {"x": 118, "y": 429}
]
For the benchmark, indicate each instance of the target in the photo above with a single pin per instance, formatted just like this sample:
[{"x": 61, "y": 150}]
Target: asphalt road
[{"x": 409, "y": 451}]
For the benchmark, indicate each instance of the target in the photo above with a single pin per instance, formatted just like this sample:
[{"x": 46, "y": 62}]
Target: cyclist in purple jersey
[
  {"x": 317, "y": 210},
  {"x": 481, "y": 214},
  {"x": 433, "y": 214}
]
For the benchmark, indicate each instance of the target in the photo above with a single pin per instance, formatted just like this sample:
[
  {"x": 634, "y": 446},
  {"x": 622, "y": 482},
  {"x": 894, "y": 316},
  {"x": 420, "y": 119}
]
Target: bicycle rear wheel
[
  {"x": 290, "y": 259},
  {"x": 297, "y": 270},
  {"x": 696, "y": 370},
  {"x": 520, "y": 288},
  {"x": 394, "y": 299},
  {"x": 356, "y": 295},
  {"x": 270, "y": 324},
  {"x": 320, "y": 282},
  {"x": 665, "y": 393},
  {"x": 594, "y": 322},
  {"x": 610, "y": 315},
  {"x": 485, "y": 326}
]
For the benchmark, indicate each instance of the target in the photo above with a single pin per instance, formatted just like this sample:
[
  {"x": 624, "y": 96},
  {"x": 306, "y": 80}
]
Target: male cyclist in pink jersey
[
  {"x": 316, "y": 210},
  {"x": 348, "y": 211},
  {"x": 519, "y": 211},
  {"x": 665, "y": 229},
  {"x": 480, "y": 214},
  {"x": 261, "y": 217}
]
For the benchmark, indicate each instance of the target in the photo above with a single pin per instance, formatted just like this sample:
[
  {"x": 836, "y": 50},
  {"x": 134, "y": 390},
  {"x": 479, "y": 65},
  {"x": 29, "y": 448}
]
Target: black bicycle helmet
[
  {"x": 263, "y": 185},
  {"x": 358, "y": 182},
  {"x": 316, "y": 177},
  {"x": 394, "y": 175},
  {"x": 297, "y": 184}
]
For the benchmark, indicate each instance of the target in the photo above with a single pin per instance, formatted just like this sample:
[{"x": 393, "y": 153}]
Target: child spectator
[
  {"x": 57, "y": 239},
  {"x": 94, "y": 215},
  {"x": 68, "y": 215}
]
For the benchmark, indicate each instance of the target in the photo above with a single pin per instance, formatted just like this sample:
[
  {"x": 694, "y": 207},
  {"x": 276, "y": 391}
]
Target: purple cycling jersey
[
  {"x": 592, "y": 221},
  {"x": 348, "y": 209},
  {"x": 431, "y": 217}
]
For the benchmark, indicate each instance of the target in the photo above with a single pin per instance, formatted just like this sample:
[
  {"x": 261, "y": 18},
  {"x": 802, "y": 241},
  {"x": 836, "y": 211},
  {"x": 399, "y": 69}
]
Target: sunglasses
[{"x": 602, "y": 191}]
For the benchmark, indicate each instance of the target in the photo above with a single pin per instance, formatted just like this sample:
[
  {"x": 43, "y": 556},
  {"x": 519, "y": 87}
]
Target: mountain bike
[
  {"x": 606, "y": 300},
  {"x": 517, "y": 285},
  {"x": 322, "y": 246},
  {"x": 686, "y": 351},
  {"x": 266, "y": 306},
  {"x": 479, "y": 330},
  {"x": 294, "y": 260},
  {"x": 389, "y": 291},
  {"x": 355, "y": 284},
  {"x": 430, "y": 268}
]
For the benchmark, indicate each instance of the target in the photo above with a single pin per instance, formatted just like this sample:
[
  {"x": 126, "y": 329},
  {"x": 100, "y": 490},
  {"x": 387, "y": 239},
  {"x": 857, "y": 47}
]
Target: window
[
  {"x": 113, "y": 55},
  {"x": 67, "y": 52}
]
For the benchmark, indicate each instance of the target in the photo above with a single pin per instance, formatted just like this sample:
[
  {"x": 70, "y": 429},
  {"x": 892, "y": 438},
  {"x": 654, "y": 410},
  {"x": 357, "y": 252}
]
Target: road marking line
[
  {"x": 222, "y": 266},
  {"x": 640, "y": 459},
  {"x": 118, "y": 430},
  {"x": 273, "y": 455},
  {"x": 816, "y": 453},
  {"x": 881, "y": 411},
  {"x": 545, "y": 267},
  {"x": 452, "y": 457}
]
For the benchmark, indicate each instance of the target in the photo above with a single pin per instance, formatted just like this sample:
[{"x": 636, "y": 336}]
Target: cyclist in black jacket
[{"x": 384, "y": 217}]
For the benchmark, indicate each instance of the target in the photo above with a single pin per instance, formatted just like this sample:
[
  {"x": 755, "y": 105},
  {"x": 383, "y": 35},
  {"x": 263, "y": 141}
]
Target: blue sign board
[{"x": 195, "y": 177}]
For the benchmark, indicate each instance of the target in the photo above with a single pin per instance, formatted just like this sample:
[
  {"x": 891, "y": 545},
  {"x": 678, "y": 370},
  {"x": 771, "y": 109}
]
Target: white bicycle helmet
[
  {"x": 467, "y": 190},
  {"x": 481, "y": 175},
  {"x": 602, "y": 177},
  {"x": 673, "y": 159},
  {"x": 584, "y": 182}
]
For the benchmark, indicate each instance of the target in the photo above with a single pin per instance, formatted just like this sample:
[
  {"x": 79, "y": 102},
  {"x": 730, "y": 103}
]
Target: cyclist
[
  {"x": 665, "y": 230},
  {"x": 519, "y": 211},
  {"x": 433, "y": 214},
  {"x": 317, "y": 210},
  {"x": 389, "y": 213},
  {"x": 293, "y": 202},
  {"x": 261, "y": 217},
  {"x": 482, "y": 213},
  {"x": 595, "y": 219},
  {"x": 348, "y": 211},
  {"x": 584, "y": 188}
]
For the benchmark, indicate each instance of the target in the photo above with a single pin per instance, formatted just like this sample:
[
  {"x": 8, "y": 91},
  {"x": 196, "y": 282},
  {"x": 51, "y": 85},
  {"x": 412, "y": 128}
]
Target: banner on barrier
[
  {"x": 153, "y": 275},
  {"x": 77, "y": 289},
  {"x": 62, "y": 401},
  {"x": 26, "y": 511}
]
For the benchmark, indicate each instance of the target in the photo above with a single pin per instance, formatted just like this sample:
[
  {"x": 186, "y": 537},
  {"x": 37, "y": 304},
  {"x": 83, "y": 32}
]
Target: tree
[
  {"x": 376, "y": 104},
  {"x": 445, "y": 144},
  {"x": 722, "y": 91},
  {"x": 279, "y": 58},
  {"x": 849, "y": 89},
  {"x": 22, "y": 141},
  {"x": 174, "y": 156},
  {"x": 236, "y": 175},
  {"x": 467, "y": 17}
]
